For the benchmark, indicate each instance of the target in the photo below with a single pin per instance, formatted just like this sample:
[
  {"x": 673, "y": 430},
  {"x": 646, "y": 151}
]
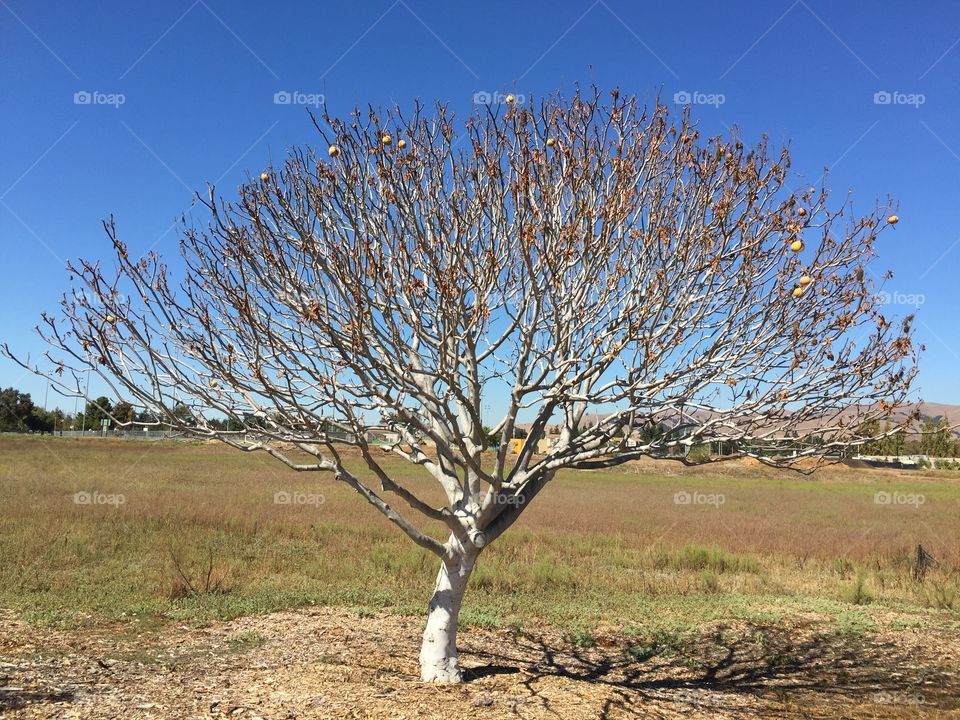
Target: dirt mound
[
  {"x": 751, "y": 467},
  {"x": 855, "y": 465},
  {"x": 326, "y": 663}
]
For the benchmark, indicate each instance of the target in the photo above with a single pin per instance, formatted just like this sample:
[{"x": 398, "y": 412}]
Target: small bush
[
  {"x": 853, "y": 624},
  {"x": 194, "y": 578},
  {"x": 580, "y": 638},
  {"x": 662, "y": 643},
  {"x": 858, "y": 593}
]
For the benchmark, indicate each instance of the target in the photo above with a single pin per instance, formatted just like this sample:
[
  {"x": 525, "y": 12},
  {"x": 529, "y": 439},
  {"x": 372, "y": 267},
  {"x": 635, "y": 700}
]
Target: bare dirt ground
[{"x": 325, "y": 663}]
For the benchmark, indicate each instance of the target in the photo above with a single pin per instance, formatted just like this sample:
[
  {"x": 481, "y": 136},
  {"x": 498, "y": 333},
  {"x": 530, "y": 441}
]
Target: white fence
[
  {"x": 340, "y": 435},
  {"x": 911, "y": 461},
  {"x": 123, "y": 434}
]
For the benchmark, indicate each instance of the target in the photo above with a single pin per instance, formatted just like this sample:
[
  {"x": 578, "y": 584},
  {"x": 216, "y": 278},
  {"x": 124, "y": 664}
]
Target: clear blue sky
[{"x": 198, "y": 81}]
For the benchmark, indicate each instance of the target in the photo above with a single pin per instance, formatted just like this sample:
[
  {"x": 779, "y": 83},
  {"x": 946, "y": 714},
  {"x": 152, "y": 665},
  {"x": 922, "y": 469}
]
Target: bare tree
[{"x": 594, "y": 264}]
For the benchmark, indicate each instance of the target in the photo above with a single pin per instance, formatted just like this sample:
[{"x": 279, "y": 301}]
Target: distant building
[
  {"x": 544, "y": 445},
  {"x": 381, "y": 436}
]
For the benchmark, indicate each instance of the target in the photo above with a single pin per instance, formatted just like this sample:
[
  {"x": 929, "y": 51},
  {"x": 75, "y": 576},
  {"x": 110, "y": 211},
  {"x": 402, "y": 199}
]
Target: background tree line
[
  {"x": 19, "y": 413},
  {"x": 937, "y": 440}
]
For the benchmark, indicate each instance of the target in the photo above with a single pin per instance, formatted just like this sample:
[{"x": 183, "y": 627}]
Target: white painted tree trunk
[{"x": 438, "y": 655}]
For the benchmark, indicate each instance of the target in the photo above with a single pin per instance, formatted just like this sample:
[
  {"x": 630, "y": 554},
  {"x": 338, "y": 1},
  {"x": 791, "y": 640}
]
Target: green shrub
[
  {"x": 704, "y": 558},
  {"x": 858, "y": 594}
]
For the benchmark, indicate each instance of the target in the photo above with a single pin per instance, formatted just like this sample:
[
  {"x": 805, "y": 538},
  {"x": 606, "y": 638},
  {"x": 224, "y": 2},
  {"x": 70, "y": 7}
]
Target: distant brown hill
[
  {"x": 940, "y": 410},
  {"x": 931, "y": 410}
]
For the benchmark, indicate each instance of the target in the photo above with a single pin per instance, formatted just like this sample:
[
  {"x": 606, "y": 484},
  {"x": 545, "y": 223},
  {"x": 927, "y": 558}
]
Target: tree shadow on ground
[
  {"x": 17, "y": 698},
  {"x": 758, "y": 664}
]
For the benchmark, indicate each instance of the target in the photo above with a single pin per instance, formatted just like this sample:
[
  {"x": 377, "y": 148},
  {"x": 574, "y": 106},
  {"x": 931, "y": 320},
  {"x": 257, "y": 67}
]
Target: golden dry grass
[{"x": 199, "y": 536}]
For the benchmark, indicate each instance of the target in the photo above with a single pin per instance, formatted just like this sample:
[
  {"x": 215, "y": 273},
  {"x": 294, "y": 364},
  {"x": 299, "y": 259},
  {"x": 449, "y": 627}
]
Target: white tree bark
[{"x": 439, "y": 661}]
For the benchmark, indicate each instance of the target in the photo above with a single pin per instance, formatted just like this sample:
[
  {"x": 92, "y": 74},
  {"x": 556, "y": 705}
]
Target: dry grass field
[{"x": 651, "y": 589}]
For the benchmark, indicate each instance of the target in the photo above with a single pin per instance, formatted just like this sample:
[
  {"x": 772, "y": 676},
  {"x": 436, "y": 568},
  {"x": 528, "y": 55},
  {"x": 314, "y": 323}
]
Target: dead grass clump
[{"x": 194, "y": 577}]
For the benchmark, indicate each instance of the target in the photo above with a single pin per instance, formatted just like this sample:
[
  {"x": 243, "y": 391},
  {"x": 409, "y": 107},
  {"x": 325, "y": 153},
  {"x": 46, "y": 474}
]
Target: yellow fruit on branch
[
  {"x": 386, "y": 139},
  {"x": 797, "y": 291},
  {"x": 111, "y": 319},
  {"x": 796, "y": 245},
  {"x": 333, "y": 151},
  {"x": 213, "y": 383},
  {"x": 510, "y": 98},
  {"x": 401, "y": 144},
  {"x": 264, "y": 176},
  {"x": 801, "y": 211},
  {"x": 893, "y": 219},
  {"x": 805, "y": 280},
  {"x": 551, "y": 142}
]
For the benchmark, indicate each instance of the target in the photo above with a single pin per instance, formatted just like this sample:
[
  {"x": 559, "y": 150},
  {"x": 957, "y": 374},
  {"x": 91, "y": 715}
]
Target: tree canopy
[{"x": 592, "y": 263}]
